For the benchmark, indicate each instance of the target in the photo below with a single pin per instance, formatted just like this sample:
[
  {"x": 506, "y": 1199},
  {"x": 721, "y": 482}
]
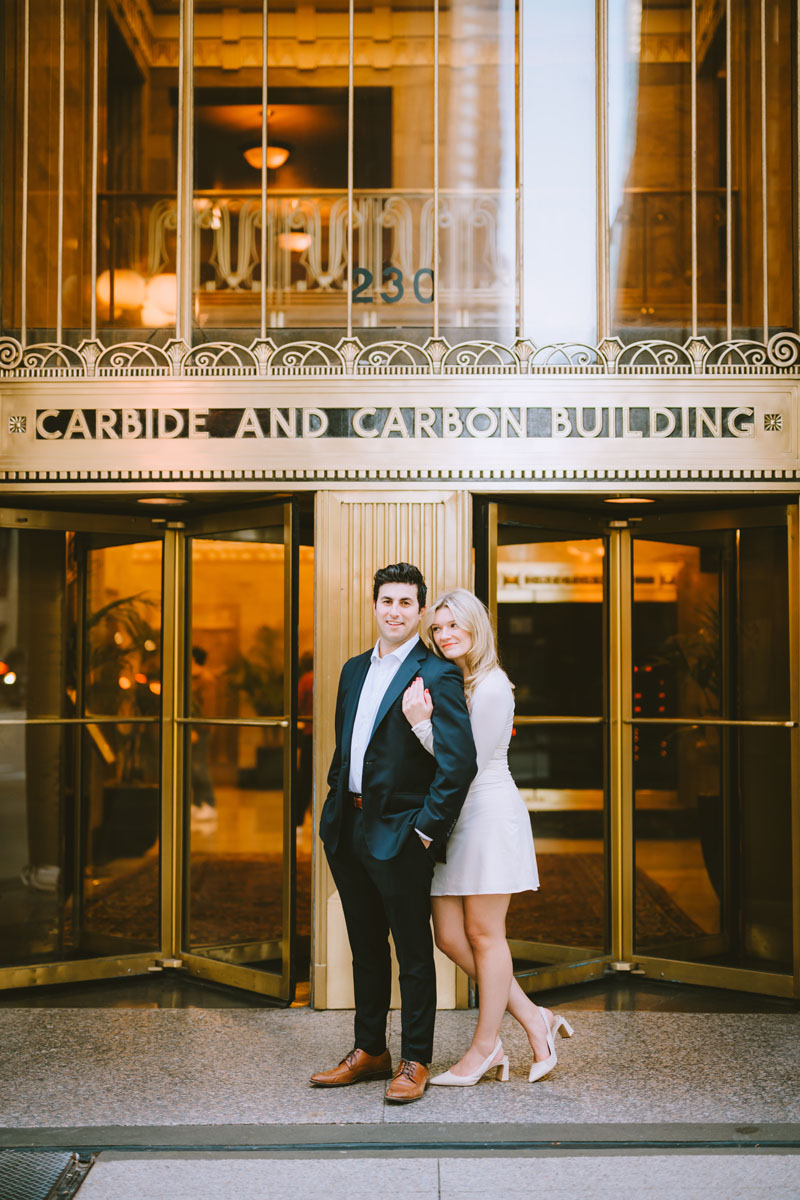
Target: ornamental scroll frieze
[{"x": 435, "y": 357}]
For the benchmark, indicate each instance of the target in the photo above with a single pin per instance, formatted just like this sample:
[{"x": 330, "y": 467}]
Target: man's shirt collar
[{"x": 401, "y": 653}]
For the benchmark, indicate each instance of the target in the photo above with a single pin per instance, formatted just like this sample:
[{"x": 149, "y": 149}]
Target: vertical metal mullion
[
  {"x": 26, "y": 87},
  {"x": 291, "y": 615},
  {"x": 60, "y": 247},
  {"x": 728, "y": 180},
  {"x": 764, "y": 192},
  {"x": 729, "y": 737},
  {"x": 350, "y": 151},
  {"x": 183, "y": 318},
  {"x": 694, "y": 167},
  {"x": 95, "y": 122},
  {"x": 172, "y": 825},
  {"x": 793, "y": 535},
  {"x": 520, "y": 176},
  {"x": 80, "y": 850},
  {"x": 436, "y": 168},
  {"x": 491, "y": 560},
  {"x": 264, "y": 116},
  {"x": 601, "y": 125},
  {"x": 621, "y": 823},
  {"x": 796, "y": 32}
]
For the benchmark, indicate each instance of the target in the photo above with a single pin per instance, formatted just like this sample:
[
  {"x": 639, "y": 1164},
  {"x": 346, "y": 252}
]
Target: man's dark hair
[{"x": 401, "y": 573}]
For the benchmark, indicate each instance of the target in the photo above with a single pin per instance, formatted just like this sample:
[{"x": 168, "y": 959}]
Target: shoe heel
[
  {"x": 564, "y": 1028},
  {"x": 502, "y": 1070}
]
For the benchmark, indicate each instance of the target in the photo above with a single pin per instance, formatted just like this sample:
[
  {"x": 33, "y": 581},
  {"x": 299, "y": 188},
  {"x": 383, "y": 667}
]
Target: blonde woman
[{"x": 490, "y": 853}]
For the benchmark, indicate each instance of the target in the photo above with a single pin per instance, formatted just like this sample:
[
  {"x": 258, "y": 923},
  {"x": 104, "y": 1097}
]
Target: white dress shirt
[{"x": 380, "y": 674}]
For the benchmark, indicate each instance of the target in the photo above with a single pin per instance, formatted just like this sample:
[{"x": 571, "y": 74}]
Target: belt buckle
[{"x": 357, "y": 801}]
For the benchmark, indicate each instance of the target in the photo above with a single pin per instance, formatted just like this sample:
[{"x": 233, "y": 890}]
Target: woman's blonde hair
[{"x": 471, "y": 616}]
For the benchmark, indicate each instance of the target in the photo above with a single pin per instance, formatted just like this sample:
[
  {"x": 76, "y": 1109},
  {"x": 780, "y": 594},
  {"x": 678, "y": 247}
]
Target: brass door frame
[
  {"x": 565, "y": 964},
  {"x": 229, "y": 971},
  {"x": 173, "y": 536},
  {"x": 684, "y": 971},
  {"x": 115, "y": 964},
  {"x": 619, "y": 728}
]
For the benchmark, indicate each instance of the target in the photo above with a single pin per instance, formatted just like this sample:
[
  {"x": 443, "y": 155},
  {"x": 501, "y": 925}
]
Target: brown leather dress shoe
[
  {"x": 355, "y": 1066},
  {"x": 409, "y": 1082}
]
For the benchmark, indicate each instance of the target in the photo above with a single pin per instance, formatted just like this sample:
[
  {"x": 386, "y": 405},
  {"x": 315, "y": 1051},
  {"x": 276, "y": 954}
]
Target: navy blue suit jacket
[{"x": 403, "y": 786}]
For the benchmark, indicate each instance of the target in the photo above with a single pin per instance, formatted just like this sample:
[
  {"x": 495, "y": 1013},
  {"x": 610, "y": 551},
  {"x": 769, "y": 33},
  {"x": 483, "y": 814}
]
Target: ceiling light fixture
[
  {"x": 276, "y": 156},
  {"x": 294, "y": 241},
  {"x": 628, "y": 500},
  {"x": 161, "y": 500}
]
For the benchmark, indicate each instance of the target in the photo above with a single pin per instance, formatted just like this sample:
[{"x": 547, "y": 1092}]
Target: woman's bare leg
[{"x": 451, "y": 938}]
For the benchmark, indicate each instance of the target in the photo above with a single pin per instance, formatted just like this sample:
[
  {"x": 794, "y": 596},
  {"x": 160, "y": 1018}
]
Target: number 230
[{"x": 394, "y": 276}]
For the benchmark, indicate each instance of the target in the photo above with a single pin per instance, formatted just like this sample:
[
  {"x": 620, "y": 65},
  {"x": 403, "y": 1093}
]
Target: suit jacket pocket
[{"x": 400, "y": 802}]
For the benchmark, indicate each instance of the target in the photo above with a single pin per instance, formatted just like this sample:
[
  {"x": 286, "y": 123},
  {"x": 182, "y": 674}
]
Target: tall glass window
[
  {"x": 451, "y": 167},
  {"x": 700, "y": 169}
]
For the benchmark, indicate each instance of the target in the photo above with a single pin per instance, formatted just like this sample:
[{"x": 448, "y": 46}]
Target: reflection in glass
[
  {"x": 680, "y": 840},
  {"x": 119, "y": 902},
  {"x": 235, "y": 897},
  {"x": 559, "y": 771},
  {"x": 762, "y": 683},
  {"x": 137, "y": 206},
  {"x": 713, "y": 849},
  {"x": 766, "y": 910},
  {"x": 35, "y": 872},
  {"x": 550, "y": 624},
  {"x": 477, "y": 167},
  {"x": 677, "y": 631},
  {"x": 550, "y": 637},
  {"x": 123, "y": 631},
  {"x": 393, "y": 170},
  {"x": 305, "y": 272},
  {"x": 33, "y": 658},
  {"x": 48, "y": 913},
  {"x": 650, "y": 168},
  {"x": 558, "y": 170},
  {"x": 235, "y": 773},
  {"x": 237, "y": 624}
]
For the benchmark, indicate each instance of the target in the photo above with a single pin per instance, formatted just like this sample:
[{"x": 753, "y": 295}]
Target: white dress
[{"x": 490, "y": 850}]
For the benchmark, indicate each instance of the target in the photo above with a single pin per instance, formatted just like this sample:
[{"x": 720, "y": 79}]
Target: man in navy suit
[{"x": 389, "y": 812}]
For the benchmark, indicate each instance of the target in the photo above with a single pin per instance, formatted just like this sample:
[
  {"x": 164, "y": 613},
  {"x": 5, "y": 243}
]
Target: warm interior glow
[
  {"x": 276, "y": 156},
  {"x": 294, "y": 241},
  {"x": 129, "y": 290},
  {"x": 628, "y": 500},
  {"x": 160, "y": 500},
  {"x": 160, "y": 300}
]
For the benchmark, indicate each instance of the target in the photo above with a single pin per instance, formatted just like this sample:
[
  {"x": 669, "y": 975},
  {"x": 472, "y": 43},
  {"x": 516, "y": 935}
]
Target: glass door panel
[
  {"x": 711, "y": 726},
  {"x": 116, "y": 903},
  {"x": 548, "y": 593},
  {"x": 239, "y": 750},
  {"x": 79, "y": 747}
]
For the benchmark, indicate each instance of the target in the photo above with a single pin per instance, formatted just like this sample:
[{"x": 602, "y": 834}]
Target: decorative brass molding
[
  {"x": 342, "y": 477},
  {"x": 436, "y": 357}
]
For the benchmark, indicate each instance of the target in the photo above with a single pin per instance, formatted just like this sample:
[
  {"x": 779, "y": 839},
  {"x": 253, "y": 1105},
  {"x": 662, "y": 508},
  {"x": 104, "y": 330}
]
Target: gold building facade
[{"x": 290, "y": 291}]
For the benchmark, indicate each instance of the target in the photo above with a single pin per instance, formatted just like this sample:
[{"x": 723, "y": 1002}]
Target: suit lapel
[
  {"x": 405, "y": 673},
  {"x": 351, "y": 704}
]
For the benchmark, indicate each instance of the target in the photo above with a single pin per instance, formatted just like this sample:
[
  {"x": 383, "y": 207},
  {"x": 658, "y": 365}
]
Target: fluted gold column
[{"x": 355, "y": 534}]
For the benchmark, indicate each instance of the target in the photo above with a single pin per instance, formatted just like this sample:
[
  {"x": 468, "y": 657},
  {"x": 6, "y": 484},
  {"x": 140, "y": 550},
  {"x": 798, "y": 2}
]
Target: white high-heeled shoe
[
  {"x": 543, "y": 1067},
  {"x": 448, "y": 1079}
]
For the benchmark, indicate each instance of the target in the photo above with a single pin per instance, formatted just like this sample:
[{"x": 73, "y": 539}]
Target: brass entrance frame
[
  {"x": 574, "y": 966},
  {"x": 172, "y": 723}
]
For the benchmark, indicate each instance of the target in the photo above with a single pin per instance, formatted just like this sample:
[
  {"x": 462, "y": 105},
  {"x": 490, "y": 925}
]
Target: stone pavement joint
[{"x": 634, "y": 1177}]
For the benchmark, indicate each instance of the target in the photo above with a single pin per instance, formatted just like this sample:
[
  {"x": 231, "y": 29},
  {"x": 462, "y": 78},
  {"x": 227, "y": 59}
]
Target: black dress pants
[{"x": 379, "y": 896}]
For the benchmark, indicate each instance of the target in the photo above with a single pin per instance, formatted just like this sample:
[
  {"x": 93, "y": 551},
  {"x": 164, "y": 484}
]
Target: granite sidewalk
[
  {"x": 194, "y": 1078},
  {"x": 191, "y": 1103}
]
